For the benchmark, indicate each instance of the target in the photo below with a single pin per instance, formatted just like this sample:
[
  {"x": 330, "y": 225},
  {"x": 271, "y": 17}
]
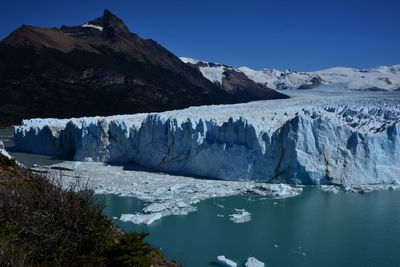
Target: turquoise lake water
[{"x": 313, "y": 229}]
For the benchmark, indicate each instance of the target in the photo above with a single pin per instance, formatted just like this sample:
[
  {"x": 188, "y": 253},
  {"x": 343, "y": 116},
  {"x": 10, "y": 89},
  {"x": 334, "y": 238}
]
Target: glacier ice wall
[{"x": 311, "y": 142}]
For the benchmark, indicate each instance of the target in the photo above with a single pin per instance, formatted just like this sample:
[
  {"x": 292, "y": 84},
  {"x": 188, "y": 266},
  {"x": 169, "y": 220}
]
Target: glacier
[{"x": 320, "y": 138}]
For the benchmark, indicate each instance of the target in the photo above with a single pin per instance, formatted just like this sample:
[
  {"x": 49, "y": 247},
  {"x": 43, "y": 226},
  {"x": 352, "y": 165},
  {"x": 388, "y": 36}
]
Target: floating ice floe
[
  {"x": 330, "y": 188},
  {"x": 155, "y": 188},
  {"x": 241, "y": 216},
  {"x": 140, "y": 218},
  {"x": 226, "y": 262},
  {"x": 253, "y": 262},
  {"x": 358, "y": 188},
  {"x": 276, "y": 190},
  {"x": 154, "y": 207}
]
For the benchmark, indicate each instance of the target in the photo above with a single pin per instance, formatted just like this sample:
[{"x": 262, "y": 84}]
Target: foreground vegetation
[{"x": 44, "y": 225}]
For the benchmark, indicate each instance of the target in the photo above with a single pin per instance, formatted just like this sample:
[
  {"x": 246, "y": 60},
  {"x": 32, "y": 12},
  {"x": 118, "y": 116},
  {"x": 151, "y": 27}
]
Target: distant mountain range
[
  {"x": 101, "y": 68},
  {"x": 375, "y": 79}
]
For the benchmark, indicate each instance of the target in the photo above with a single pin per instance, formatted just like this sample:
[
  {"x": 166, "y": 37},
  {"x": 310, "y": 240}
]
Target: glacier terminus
[{"x": 323, "y": 137}]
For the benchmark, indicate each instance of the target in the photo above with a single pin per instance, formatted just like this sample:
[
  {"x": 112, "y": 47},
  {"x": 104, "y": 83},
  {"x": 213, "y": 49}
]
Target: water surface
[{"x": 313, "y": 229}]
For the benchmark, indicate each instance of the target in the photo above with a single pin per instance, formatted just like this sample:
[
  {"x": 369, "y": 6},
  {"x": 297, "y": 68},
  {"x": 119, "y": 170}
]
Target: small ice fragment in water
[
  {"x": 241, "y": 216},
  {"x": 226, "y": 262},
  {"x": 154, "y": 207},
  {"x": 141, "y": 218},
  {"x": 253, "y": 262},
  {"x": 330, "y": 188}
]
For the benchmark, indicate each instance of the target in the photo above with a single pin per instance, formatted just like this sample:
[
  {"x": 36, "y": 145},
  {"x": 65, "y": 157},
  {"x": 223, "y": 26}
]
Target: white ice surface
[
  {"x": 226, "y": 262},
  {"x": 321, "y": 137},
  {"x": 141, "y": 218},
  {"x": 358, "y": 188},
  {"x": 253, "y": 262},
  {"x": 154, "y": 207},
  {"x": 241, "y": 216},
  {"x": 165, "y": 194}
]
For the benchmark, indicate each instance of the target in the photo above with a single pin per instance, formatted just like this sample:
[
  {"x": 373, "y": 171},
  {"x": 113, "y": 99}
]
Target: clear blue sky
[{"x": 302, "y": 35}]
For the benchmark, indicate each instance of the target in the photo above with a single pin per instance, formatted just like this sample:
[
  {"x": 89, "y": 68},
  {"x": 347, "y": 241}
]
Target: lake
[{"x": 314, "y": 229}]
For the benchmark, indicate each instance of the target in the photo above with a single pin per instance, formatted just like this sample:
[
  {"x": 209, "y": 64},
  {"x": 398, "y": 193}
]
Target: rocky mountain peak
[
  {"x": 107, "y": 27},
  {"x": 110, "y": 23}
]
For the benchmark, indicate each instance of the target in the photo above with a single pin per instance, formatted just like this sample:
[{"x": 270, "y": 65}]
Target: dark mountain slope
[{"x": 97, "y": 68}]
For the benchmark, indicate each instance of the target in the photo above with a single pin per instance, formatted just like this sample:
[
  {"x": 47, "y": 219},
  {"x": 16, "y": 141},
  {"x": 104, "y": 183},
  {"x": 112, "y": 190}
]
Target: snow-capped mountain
[
  {"x": 287, "y": 79},
  {"x": 233, "y": 81},
  {"x": 374, "y": 79}
]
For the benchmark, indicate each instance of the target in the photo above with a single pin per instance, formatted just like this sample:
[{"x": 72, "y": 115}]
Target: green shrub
[{"x": 44, "y": 225}]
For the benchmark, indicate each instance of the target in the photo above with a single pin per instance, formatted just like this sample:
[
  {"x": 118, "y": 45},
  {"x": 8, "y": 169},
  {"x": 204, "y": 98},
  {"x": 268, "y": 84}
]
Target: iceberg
[
  {"x": 241, "y": 216},
  {"x": 253, "y": 262},
  {"x": 140, "y": 218},
  {"x": 154, "y": 207},
  {"x": 344, "y": 139},
  {"x": 226, "y": 262}
]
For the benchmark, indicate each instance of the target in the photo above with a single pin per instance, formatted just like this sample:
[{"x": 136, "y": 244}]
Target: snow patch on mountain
[
  {"x": 211, "y": 71},
  {"x": 86, "y": 25},
  {"x": 214, "y": 74},
  {"x": 190, "y": 60}
]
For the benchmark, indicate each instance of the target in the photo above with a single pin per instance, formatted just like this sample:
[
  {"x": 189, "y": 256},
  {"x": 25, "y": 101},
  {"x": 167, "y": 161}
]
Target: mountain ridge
[
  {"x": 380, "y": 78},
  {"x": 230, "y": 79},
  {"x": 97, "y": 68}
]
